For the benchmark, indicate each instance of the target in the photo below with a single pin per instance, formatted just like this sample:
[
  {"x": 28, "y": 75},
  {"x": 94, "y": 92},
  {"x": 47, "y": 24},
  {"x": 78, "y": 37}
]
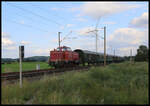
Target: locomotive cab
[{"x": 63, "y": 56}]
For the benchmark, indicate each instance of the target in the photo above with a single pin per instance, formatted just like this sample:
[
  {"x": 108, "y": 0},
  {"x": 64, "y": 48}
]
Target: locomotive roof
[{"x": 63, "y": 47}]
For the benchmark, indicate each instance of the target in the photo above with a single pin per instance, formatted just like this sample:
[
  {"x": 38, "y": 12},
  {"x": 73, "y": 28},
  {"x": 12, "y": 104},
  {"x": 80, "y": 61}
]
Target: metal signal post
[{"x": 21, "y": 56}]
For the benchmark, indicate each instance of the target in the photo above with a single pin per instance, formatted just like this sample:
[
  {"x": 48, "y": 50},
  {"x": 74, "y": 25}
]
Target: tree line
[
  {"x": 142, "y": 54},
  {"x": 27, "y": 59}
]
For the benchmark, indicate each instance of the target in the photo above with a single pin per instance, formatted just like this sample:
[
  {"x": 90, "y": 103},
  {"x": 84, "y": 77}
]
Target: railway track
[{"x": 33, "y": 73}]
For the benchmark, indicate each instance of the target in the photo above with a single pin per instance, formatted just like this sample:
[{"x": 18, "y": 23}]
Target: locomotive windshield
[
  {"x": 58, "y": 49},
  {"x": 69, "y": 49},
  {"x": 64, "y": 49}
]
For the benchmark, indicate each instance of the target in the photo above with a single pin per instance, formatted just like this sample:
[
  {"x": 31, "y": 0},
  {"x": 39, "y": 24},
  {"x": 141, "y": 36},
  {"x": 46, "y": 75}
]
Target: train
[{"x": 63, "y": 57}]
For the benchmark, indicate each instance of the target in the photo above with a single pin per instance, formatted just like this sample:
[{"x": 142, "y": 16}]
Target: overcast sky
[{"x": 36, "y": 25}]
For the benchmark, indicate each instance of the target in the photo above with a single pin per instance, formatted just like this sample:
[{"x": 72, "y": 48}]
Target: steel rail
[{"x": 32, "y": 73}]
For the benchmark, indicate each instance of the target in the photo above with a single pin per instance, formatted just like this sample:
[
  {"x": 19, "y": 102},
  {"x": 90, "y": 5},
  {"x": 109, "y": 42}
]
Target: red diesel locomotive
[{"x": 63, "y": 56}]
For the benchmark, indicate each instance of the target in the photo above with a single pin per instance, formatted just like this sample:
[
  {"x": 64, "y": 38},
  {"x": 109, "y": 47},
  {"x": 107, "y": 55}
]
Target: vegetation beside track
[
  {"x": 120, "y": 83},
  {"x": 14, "y": 66}
]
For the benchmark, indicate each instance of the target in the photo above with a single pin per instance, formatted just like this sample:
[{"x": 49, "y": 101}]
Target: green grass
[
  {"x": 14, "y": 67},
  {"x": 115, "y": 84}
]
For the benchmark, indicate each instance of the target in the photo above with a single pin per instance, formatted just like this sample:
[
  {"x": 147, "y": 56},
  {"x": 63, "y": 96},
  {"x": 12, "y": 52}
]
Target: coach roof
[{"x": 88, "y": 52}]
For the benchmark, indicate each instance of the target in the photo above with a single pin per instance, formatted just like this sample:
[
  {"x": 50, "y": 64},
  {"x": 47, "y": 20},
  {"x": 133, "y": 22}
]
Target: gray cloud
[
  {"x": 140, "y": 22},
  {"x": 6, "y": 41},
  {"x": 101, "y": 9},
  {"x": 124, "y": 39}
]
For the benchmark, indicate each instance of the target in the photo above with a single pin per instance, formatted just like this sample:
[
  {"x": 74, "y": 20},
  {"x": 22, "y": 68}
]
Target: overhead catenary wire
[
  {"x": 31, "y": 19},
  {"x": 18, "y": 7},
  {"x": 95, "y": 31},
  {"x": 97, "y": 23},
  {"x": 34, "y": 13},
  {"x": 43, "y": 9},
  {"x": 26, "y": 25},
  {"x": 66, "y": 36}
]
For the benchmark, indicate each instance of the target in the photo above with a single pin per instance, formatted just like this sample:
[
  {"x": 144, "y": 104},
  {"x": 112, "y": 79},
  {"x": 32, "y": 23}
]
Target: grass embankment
[
  {"x": 116, "y": 84},
  {"x": 14, "y": 66}
]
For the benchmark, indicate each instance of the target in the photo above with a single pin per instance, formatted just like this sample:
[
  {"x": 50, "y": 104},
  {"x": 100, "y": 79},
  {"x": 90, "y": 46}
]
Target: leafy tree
[{"x": 142, "y": 53}]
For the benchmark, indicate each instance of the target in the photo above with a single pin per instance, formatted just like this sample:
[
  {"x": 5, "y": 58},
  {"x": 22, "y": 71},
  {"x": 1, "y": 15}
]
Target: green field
[
  {"x": 14, "y": 66},
  {"x": 121, "y": 83}
]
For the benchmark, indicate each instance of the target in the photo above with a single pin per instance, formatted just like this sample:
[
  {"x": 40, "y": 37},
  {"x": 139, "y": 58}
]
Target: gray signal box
[{"x": 22, "y": 52}]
